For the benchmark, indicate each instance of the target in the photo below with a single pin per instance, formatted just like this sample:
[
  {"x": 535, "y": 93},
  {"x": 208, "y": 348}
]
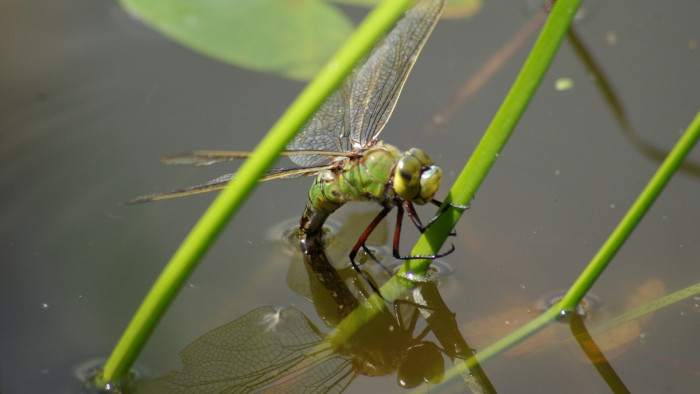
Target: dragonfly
[
  {"x": 340, "y": 146},
  {"x": 280, "y": 350}
]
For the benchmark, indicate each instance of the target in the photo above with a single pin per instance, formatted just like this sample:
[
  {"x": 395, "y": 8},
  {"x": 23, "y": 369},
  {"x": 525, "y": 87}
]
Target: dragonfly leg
[
  {"x": 397, "y": 233},
  {"x": 460, "y": 207},
  {"x": 438, "y": 204},
  {"x": 413, "y": 215},
  {"x": 363, "y": 238},
  {"x": 373, "y": 257},
  {"x": 361, "y": 244}
]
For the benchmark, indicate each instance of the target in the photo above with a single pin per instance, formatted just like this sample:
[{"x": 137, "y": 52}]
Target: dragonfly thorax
[{"x": 380, "y": 173}]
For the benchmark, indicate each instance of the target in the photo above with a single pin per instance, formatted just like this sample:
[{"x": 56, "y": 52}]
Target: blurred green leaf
[
  {"x": 293, "y": 39},
  {"x": 453, "y": 10}
]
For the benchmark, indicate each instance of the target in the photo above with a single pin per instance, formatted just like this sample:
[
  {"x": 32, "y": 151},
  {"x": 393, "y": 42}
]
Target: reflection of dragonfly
[
  {"x": 339, "y": 144},
  {"x": 281, "y": 350}
]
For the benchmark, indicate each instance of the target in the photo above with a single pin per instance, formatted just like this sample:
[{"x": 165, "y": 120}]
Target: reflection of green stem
[
  {"x": 605, "y": 87},
  {"x": 595, "y": 355},
  {"x": 227, "y": 203}
]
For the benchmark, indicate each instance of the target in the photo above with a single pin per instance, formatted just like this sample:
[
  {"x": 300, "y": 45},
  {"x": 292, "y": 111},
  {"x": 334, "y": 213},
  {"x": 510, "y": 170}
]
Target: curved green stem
[
  {"x": 230, "y": 199},
  {"x": 599, "y": 262},
  {"x": 632, "y": 217},
  {"x": 497, "y": 134},
  {"x": 471, "y": 177}
]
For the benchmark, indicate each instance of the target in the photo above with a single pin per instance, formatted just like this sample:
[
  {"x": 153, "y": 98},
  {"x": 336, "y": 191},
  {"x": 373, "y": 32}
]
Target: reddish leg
[
  {"x": 411, "y": 211},
  {"x": 397, "y": 233},
  {"x": 363, "y": 238},
  {"x": 361, "y": 244}
]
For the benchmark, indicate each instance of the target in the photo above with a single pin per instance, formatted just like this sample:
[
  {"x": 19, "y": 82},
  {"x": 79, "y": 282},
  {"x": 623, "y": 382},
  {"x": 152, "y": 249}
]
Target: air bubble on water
[
  {"x": 87, "y": 371},
  {"x": 588, "y": 304}
]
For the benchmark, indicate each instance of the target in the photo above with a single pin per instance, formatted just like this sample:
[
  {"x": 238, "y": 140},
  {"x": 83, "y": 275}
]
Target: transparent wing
[
  {"x": 268, "y": 349},
  {"x": 326, "y": 131},
  {"x": 356, "y": 113},
  {"x": 221, "y": 182},
  {"x": 376, "y": 85},
  {"x": 202, "y": 158}
]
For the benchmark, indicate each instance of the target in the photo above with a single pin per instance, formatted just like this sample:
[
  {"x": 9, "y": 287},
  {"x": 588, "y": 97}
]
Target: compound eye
[
  {"x": 421, "y": 156},
  {"x": 430, "y": 180},
  {"x": 407, "y": 177}
]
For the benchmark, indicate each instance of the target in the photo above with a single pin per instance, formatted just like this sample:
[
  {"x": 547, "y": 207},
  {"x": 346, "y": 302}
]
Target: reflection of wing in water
[{"x": 267, "y": 349}]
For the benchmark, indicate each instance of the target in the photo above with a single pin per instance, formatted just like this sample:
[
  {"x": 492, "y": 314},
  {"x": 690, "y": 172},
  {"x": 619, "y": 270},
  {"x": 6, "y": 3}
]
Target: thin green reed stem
[
  {"x": 497, "y": 134},
  {"x": 632, "y": 217},
  {"x": 230, "y": 199},
  {"x": 476, "y": 169},
  {"x": 601, "y": 259}
]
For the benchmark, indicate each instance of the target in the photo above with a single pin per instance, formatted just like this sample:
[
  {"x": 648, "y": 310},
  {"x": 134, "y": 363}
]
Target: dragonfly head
[{"x": 416, "y": 178}]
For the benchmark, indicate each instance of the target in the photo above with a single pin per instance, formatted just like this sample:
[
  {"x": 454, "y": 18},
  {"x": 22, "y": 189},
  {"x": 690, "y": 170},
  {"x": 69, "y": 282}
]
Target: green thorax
[
  {"x": 365, "y": 177},
  {"x": 380, "y": 173}
]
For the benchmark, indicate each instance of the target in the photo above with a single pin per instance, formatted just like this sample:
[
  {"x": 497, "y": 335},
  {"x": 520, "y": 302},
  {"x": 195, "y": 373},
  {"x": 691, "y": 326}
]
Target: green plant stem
[
  {"x": 632, "y": 217},
  {"x": 496, "y": 135},
  {"x": 473, "y": 174},
  {"x": 230, "y": 199},
  {"x": 601, "y": 259}
]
